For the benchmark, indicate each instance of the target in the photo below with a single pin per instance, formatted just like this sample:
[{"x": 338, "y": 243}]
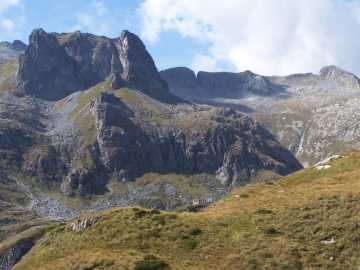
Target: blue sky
[{"x": 268, "y": 37}]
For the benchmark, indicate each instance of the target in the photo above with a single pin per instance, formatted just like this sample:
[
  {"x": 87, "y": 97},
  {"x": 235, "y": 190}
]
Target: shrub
[
  {"x": 298, "y": 264},
  {"x": 140, "y": 213},
  {"x": 154, "y": 233},
  {"x": 50, "y": 227},
  {"x": 189, "y": 244},
  {"x": 253, "y": 264},
  {"x": 159, "y": 219},
  {"x": 263, "y": 211},
  {"x": 172, "y": 216},
  {"x": 270, "y": 231},
  {"x": 150, "y": 257},
  {"x": 151, "y": 262},
  {"x": 268, "y": 255},
  {"x": 244, "y": 195},
  {"x": 194, "y": 231},
  {"x": 151, "y": 265},
  {"x": 155, "y": 212}
]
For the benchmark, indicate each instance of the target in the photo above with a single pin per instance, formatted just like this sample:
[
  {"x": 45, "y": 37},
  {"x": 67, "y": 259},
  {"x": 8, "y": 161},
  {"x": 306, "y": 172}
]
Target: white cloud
[
  {"x": 202, "y": 62},
  {"x": 4, "y": 4},
  {"x": 85, "y": 19},
  {"x": 99, "y": 5},
  {"x": 267, "y": 37},
  {"x": 8, "y": 25},
  {"x": 92, "y": 20},
  {"x": 88, "y": 23}
]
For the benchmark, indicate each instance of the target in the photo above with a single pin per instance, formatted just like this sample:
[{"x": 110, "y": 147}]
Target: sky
[{"x": 268, "y": 37}]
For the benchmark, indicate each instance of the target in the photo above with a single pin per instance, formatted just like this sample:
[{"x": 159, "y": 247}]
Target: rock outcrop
[
  {"x": 233, "y": 147},
  {"x": 342, "y": 77},
  {"x": 230, "y": 82},
  {"x": 56, "y": 65},
  {"x": 313, "y": 115},
  {"x": 16, "y": 45},
  {"x": 139, "y": 67},
  {"x": 181, "y": 76},
  {"x": 11, "y": 50},
  {"x": 223, "y": 82},
  {"x": 82, "y": 224},
  {"x": 14, "y": 252}
]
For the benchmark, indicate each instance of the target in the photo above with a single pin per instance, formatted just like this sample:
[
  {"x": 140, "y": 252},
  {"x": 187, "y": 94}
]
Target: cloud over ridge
[{"x": 273, "y": 37}]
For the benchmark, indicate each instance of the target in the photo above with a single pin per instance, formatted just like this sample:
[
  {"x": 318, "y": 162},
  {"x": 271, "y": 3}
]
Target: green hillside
[{"x": 274, "y": 225}]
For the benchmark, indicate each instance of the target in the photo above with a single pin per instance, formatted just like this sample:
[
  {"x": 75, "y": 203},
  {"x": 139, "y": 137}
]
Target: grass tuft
[{"x": 195, "y": 231}]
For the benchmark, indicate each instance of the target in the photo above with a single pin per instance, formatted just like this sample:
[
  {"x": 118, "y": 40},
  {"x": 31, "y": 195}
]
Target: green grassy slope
[{"x": 276, "y": 225}]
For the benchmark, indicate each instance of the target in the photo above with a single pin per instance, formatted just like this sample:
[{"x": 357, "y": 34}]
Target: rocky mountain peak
[
  {"x": 11, "y": 50},
  {"x": 41, "y": 43},
  {"x": 131, "y": 40},
  {"x": 343, "y": 78},
  {"x": 139, "y": 67},
  {"x": 222, "y": 82},
  {"x": 16, "y": 45},
  {"x": 56, "y": 65},
  {"x": 180, "y": 75},
  {"x": 334, "y": 72}
]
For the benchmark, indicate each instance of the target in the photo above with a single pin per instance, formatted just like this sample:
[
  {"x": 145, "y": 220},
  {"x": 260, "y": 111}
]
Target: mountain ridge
[
  {"x": 100, "y": 140},
  {"x": 301, "y": 109},
  {"x": 88, "y": 124}
]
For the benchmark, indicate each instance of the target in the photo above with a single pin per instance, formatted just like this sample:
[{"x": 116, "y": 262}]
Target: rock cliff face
[
  {"x": 230, "y": 146},
  {"x": 16, "y": 45},
  {"x": 314, "y": 116},
  {"x": 223, "y": 82},
  {"x": 56, "y": 65},
  {"x": 11, "y": 50},
  {"x": 139, "y": 67}
]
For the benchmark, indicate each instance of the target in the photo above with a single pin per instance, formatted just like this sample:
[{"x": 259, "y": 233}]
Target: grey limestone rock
[
  {"x": 230, "y": 149},
  {"x": 222, "y": 82},
  {"x": 16, "y": 45},
  {"x": 139, "y": 67},
  {"x": 56, "y": 65},
  {"x": 180, "y": 75},
  {"x": 14, "y": 252}
]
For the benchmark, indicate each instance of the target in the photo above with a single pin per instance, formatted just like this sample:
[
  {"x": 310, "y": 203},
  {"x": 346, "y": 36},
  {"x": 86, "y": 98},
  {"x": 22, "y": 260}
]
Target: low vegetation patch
[
  {"x": 195, "y": 231},
  {"x": 313, "y": 224},
  {"x": 189, "y": 244},
  {"x": 151, "y": 262},
  {"x": 50, "y": 227}
]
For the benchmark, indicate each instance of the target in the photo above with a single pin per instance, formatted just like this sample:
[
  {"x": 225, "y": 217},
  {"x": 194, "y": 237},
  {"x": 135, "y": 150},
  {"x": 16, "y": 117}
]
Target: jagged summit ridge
[
  {"x": 56, "y": 65},
  {"x": 16, "y": 45},
  {"x": 11, "y": 50},
  {"x": 306, "y": 109},
  {"x": 335, "y": 72},
  {"x": 222, "y": 82}
]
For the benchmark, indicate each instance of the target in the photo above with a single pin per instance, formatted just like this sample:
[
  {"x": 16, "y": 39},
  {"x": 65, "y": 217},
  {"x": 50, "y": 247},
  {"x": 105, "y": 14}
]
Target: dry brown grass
[{"x": 266, "y": 229}]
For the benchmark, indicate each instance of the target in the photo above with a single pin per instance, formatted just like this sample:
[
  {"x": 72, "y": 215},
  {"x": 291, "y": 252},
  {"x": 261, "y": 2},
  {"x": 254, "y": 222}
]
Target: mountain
[
  {"x": 306, "y": 220},
  {"x": 314, "y": 116},
  {"x": 87, "y": 124},
  {"x": 88, "y": 119},
  {"x": 11, "y": 50}
]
